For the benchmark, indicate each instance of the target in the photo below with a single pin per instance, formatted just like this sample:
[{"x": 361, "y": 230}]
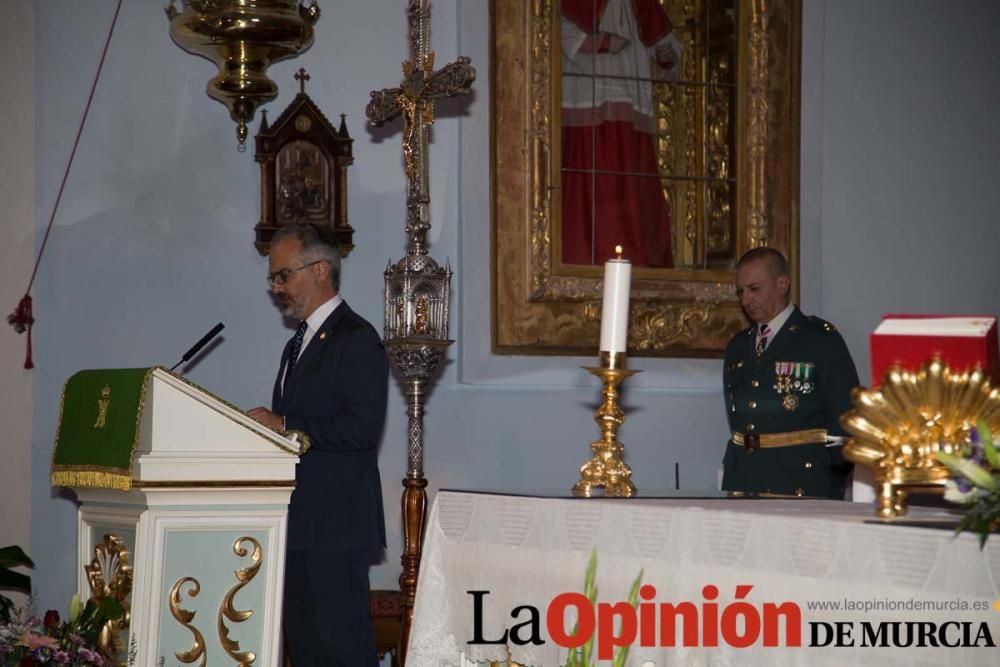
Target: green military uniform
[{"x": 797, "y": 389}]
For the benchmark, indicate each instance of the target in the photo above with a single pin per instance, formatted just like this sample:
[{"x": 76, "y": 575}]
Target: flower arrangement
[
  {"x": 976, "y": 482},
  {"x": 26, "y": 639},
  {"x": 49, "y": 640}
]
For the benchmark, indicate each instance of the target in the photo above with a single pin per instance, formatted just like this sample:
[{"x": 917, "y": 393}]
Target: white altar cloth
[{"x": 527, "y": 550}]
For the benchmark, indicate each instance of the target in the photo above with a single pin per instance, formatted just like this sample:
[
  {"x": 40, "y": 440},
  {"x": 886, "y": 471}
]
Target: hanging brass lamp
[{"x": 243, "y": 38}]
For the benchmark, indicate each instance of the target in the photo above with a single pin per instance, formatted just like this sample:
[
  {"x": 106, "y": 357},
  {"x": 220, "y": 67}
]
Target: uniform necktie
[
  {"x": 762, "y": 340},
  {"x": 293, "y": 352}
]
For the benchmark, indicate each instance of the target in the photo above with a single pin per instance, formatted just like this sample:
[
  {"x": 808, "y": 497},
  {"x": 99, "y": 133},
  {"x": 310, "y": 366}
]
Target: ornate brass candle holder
[
  {"x": 898, "y": 428},
  {"x": 606, "y": 469}
]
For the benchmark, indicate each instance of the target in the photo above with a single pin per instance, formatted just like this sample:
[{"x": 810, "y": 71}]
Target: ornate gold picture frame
[{"x": 543, "y": 306}]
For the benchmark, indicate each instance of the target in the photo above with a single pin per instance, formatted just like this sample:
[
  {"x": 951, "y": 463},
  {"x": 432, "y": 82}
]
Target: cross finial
[{"x": 302, "y": 76}]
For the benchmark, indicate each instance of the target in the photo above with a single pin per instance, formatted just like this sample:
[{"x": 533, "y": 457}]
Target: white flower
[
  {"x": 969, "y": 470},
  {"x": 955, "y": 495}
]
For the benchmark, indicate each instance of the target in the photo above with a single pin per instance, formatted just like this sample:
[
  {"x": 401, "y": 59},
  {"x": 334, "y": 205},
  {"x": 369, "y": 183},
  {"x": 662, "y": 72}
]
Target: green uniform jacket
[{"x": 803, "y": 381}]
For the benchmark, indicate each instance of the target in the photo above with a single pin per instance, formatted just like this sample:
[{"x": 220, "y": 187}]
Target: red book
[{"x": 961, "y": 341}]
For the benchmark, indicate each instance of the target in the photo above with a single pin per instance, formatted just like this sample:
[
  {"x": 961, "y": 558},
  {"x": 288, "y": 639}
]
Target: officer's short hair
[{"x": 774, "y": 258}]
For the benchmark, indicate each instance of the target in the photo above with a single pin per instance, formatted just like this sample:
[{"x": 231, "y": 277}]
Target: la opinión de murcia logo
[
  {"x": 708, "y": 623},
  {"x": 615, "y": 624}
]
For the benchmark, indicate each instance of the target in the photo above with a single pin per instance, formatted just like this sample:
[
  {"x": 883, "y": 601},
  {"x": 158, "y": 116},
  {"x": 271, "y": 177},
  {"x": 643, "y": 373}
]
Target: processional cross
[
  {"x": 414, "y": 100},
  {"x": 417, "y": 290}
]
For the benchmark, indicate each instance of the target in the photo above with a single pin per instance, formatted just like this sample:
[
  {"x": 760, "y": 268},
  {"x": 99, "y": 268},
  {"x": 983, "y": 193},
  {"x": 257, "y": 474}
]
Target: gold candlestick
[{"x": 606, "y": 469}]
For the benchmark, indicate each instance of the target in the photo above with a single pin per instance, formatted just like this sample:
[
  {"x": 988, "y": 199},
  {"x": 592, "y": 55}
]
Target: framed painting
[{"x": 668, "y": 127}]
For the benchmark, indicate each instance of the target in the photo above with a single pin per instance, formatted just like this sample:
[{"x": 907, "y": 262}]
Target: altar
[{"x": 700, "y": 581}]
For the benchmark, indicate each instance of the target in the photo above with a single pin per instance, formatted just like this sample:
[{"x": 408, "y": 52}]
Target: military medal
[{"x": 791, "y": 379}]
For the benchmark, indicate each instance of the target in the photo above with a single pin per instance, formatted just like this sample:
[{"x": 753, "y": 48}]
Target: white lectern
[{"x": 194, "y": 509}]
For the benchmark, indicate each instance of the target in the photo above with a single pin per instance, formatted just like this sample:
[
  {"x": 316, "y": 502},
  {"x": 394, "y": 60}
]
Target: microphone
[{"x": 196, "y": 348}]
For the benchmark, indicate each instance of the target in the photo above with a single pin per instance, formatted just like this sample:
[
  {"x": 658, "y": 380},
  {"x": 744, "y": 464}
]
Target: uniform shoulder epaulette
[{"x": 819, "y": 323}]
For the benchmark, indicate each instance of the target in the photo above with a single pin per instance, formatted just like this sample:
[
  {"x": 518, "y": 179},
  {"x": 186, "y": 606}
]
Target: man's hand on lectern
[{"x": 267, "y": 418}]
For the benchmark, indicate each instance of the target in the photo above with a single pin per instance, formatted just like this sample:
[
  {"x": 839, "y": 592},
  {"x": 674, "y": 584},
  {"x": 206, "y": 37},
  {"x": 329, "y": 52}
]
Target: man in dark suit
[
  {"x": 331, "y": 386},
  {"x": 788, "y": 378}
]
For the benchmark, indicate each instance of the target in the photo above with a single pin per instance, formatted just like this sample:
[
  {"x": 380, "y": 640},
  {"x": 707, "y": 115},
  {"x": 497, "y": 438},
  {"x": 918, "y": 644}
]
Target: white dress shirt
[{"x": 775, "y": 324}]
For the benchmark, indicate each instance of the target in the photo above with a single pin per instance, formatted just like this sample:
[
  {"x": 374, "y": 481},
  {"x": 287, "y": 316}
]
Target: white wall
[
  {"x": 17, "y": 225},
  {"x": 154, "y": 242}
]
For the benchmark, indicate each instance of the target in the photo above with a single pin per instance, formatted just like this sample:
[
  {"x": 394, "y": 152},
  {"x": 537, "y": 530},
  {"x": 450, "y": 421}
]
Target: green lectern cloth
[{"x": 99, "y": 428}]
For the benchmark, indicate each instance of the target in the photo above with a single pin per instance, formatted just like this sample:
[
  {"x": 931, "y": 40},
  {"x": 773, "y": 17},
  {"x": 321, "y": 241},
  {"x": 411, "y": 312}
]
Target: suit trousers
[{"x": 326, "y": 617}]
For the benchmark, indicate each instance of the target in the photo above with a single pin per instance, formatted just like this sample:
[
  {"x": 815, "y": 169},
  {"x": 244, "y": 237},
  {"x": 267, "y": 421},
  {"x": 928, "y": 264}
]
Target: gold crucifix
[{"x": 414, "y": 100}]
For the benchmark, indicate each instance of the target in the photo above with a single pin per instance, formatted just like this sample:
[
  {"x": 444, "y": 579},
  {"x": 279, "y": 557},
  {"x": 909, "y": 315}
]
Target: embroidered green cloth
[{"x": 99, "y": 428}]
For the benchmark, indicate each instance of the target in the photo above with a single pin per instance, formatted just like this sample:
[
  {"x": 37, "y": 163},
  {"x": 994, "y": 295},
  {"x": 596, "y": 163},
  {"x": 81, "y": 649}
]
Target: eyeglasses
[{"x": 281, "y": 277}]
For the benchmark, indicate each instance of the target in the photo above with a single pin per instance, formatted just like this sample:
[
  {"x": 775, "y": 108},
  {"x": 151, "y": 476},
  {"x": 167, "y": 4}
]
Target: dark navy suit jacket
[{"x": 337, "y": 396}]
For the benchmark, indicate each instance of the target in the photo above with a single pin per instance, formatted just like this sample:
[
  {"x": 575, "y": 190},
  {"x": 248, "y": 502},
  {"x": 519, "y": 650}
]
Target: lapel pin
[{"x": 322, "y": 335}]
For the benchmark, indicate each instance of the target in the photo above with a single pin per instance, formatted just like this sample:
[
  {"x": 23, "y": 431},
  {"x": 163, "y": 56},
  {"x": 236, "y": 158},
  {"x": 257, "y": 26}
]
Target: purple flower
[
  {"x": 87, "y": 654},
  {"x": 75, "y": 638},
  {"x": 61, "y": 657},
  {"x": 977, "y": 454}
]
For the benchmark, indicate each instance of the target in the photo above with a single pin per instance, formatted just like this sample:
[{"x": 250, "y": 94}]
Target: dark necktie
[
  {"x": 293, "y": 353},
  {"x": 762, "y": 340}
]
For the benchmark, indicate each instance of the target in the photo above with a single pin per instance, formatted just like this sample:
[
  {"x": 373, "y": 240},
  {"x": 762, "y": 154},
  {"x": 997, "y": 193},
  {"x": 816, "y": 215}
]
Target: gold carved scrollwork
[
  {"x": 541, "y": 82},
  {"x": 658, "y": 326},
  {"x": 228, "y": 608},
  {"x": 757, "y": 111},
  {"x": 184, "y": 617},
  {"x": 738, "y": 127},
  {"x": 109, "y": 575},
  {"x": 717, "y": 142}
]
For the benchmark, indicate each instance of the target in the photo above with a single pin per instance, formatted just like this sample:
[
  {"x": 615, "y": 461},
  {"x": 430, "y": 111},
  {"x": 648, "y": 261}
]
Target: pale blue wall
[
  {"x": 153, "y": 242},
  {"x": 910, "y": 143}
]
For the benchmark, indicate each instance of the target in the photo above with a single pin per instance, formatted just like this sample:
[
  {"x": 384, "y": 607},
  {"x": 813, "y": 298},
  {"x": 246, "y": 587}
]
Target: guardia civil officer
[{"x": 787, "y": 379}]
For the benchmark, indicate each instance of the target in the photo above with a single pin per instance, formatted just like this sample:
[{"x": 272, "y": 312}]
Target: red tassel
[
  {"x": 28, "y": 363},
  {"x": 22, "y": 320}
]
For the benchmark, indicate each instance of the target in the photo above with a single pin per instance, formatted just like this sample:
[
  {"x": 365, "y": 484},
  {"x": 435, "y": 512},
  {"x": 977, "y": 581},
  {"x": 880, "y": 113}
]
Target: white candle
[{"x": 614, "y": 310}]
